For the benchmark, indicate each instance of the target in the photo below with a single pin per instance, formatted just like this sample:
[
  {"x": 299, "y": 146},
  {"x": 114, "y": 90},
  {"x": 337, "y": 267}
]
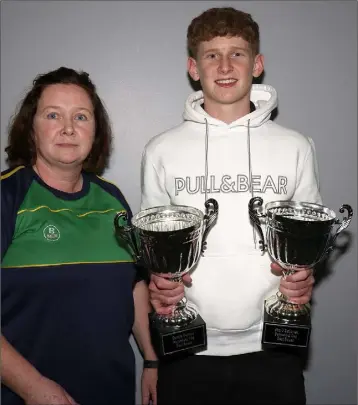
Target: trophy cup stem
[
  {"x": 287, "y": 272},
  {"x": 182, "y": 313},
  {"x": 278, "y": 306},
  {"x": 181, "y": 304}
]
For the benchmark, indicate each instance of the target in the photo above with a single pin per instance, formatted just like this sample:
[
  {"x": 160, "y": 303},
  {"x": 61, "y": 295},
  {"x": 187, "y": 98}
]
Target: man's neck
[
  {"x": 67, "y": 180},
  {"x": 227, "y": 113}
]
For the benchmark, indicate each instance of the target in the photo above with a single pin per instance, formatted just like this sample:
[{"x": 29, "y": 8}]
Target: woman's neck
[{"x": 69, "y": 181}]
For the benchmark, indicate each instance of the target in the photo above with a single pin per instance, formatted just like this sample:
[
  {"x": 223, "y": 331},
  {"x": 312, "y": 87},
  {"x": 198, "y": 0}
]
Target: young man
[{"x": 229, "y": 149}]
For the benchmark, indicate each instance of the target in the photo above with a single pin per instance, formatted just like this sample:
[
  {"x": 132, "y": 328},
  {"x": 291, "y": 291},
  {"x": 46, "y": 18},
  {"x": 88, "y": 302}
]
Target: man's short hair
[{"x": 222, "y": 22}]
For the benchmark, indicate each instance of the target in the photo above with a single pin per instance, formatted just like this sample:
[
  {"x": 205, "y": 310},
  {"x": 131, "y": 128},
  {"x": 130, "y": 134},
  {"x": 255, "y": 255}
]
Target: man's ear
[
  {"x": 258, "y": 65},
  {"x": 193, "y": 69}
]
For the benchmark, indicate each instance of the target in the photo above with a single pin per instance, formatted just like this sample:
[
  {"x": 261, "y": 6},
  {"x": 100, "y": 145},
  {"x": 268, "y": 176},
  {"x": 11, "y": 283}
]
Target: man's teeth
[{"x": 226, "y": 81}]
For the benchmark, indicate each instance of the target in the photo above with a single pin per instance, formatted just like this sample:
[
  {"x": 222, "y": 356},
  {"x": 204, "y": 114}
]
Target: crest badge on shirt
[{"x": 51, "y": 233}]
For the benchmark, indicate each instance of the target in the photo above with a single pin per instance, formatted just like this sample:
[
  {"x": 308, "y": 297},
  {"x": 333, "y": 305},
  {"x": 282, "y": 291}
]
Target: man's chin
[{"x": 230, "y": 100}]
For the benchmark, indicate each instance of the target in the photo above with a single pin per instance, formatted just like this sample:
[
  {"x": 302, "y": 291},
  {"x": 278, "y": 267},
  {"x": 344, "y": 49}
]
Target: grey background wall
[{"x": 135, "y": 53}]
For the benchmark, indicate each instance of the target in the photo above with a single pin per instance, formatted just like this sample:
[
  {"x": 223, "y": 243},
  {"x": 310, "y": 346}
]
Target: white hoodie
[{"x": 233, "y": 278}]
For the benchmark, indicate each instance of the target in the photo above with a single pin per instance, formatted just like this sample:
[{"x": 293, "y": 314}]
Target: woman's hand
[
  {"x": 149, "y": 385},
  {"x": 47, "y": 392}
]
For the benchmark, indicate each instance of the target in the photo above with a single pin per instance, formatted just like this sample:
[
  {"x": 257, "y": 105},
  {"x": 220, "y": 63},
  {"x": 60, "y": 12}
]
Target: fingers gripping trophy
[
  {"x": 298, "y": 235},
  {"x": 168, "y": 241}
]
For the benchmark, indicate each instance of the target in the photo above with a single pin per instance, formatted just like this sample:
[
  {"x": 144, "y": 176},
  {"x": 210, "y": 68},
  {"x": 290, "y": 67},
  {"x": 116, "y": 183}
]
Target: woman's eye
[
  {"x": 52, "y": 116},
  {"x": 81, "y": 117}
]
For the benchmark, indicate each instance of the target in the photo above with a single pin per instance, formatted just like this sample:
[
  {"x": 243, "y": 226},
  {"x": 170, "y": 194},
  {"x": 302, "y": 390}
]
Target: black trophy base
[
  {"x": 178, "y": 340},
  {"x": 277, "y": 332}
]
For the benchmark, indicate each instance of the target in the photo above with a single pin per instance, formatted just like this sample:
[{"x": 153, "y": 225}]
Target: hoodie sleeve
[
  {"x": 307, "y": 187},
  {"x": 152, "y": 183}
]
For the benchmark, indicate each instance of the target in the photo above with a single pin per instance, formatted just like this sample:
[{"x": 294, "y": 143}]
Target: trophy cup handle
[
  {"x": 343, "y": 225},
  {"x": 126, "y": 233},
  {"x": 211, "y": 214},
  {"x": 254, "y": 206}
]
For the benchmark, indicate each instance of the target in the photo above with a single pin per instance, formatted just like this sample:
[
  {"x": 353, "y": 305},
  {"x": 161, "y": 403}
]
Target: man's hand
[
  {"x": 296, "y": 287},
  {"x": 47, "y": 392},
  {"x": 165, "y": 294}
]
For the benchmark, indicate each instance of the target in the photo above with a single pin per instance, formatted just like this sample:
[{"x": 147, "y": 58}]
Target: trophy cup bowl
[
  {"x": 168, "y": 241},
  {"x": 298, "y": 235}
]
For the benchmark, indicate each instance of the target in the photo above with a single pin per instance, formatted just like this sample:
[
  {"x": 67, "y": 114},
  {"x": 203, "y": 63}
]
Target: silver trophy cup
[
  {"x": 298, "y": 235},
  {"x": 168, "y": 241}
]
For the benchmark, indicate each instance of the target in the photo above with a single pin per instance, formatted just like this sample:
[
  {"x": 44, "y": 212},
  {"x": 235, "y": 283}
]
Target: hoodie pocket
[{"x": 229, "y": 293}]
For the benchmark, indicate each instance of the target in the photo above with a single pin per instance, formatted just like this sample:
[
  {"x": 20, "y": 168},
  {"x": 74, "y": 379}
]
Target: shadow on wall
[
  {"x": 323, "y": 270},
  {"x": 196, "y": 86}
]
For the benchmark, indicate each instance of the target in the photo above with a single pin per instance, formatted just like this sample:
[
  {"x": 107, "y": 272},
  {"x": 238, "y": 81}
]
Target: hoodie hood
[{"x": 263, "y": 96}]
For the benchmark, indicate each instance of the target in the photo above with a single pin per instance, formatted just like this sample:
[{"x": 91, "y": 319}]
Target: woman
[{"x": 70, "y": 293}]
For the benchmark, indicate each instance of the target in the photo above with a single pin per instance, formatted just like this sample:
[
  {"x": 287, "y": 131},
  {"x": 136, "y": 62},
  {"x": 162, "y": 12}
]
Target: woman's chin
[{"x": 70, "y": 163}]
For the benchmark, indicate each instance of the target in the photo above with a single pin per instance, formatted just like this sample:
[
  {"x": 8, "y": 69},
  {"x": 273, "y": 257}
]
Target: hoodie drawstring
[
  {"x": 250, "y": 175},
  {"x": 206, "y": 158},
  {"x": 250, "y": 167}
]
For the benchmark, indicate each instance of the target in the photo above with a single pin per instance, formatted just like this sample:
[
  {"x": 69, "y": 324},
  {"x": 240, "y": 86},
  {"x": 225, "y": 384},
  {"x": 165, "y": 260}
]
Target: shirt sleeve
[
  {"x": 7, "y": 221},
  {"x": 14, "y": 186}
]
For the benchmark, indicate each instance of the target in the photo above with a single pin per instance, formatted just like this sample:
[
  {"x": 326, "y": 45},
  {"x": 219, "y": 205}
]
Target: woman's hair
[{"x": 21, "y": 149}]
